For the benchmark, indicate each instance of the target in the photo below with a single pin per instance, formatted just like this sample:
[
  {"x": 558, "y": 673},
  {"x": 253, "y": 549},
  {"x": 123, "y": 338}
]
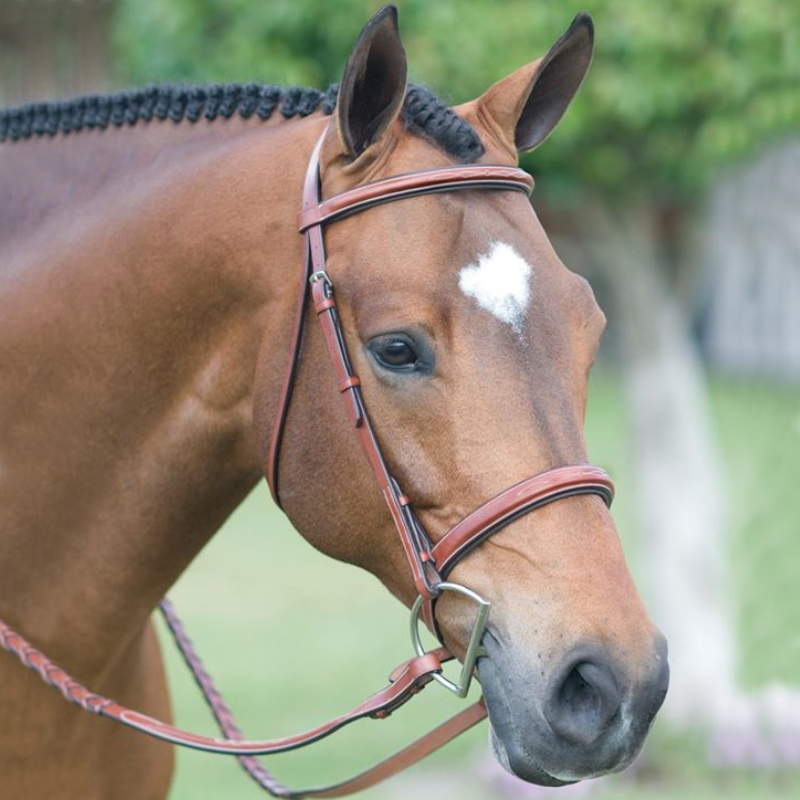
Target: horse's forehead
[
  {"x": 460, "y": 253},
  {"x": 480, "y": 252}
]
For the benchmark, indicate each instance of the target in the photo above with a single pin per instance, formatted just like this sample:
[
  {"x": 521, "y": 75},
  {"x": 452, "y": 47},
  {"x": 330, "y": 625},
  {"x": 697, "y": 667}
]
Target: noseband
[{"x": 430, "y": 561}]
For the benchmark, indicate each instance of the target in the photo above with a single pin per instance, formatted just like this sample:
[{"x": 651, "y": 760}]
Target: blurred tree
[{"x": 679, "y": 88}]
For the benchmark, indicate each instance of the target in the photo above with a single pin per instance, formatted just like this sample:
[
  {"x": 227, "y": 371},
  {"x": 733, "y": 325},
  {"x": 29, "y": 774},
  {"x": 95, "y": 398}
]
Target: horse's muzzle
[{"x": 584, "y": 719}]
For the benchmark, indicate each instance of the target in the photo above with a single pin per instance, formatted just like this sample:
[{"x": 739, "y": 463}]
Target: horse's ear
[
  {"x": 373, "y": 85},
  {"x": 530, "y": 102}
]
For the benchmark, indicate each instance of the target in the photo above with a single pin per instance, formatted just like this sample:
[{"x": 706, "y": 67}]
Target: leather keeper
[
  {"x": 324, "y": 305},
  {"x": 348, "y": 383}
]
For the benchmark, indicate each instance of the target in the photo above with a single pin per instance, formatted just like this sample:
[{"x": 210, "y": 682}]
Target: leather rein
[{"x": 430, "y": 561}]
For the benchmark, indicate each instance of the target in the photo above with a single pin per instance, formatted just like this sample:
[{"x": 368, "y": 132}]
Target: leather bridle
[{"x": 430, "y": 561}]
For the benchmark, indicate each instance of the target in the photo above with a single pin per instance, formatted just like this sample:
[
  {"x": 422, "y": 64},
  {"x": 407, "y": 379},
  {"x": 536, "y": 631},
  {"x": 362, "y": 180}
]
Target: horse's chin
[{"x": 530, "y": 773}]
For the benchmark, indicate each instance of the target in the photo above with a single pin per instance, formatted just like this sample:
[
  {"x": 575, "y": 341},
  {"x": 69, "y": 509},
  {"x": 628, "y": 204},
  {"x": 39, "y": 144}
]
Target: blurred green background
[{"x": 672, "y": 184}]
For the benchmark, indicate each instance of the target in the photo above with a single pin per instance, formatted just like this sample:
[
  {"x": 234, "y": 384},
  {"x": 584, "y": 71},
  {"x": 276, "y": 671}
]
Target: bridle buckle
[
  {"x": 474, "y": 650},
  {"x": 319, "y": 276}
]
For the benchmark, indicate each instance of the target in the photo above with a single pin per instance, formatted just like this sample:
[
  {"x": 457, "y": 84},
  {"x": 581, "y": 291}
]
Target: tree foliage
[{"x": 678, "y": 87}]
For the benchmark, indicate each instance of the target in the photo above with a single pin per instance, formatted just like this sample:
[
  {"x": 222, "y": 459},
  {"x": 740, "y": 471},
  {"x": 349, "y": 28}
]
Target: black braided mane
[{"x": 424, "y": 114}]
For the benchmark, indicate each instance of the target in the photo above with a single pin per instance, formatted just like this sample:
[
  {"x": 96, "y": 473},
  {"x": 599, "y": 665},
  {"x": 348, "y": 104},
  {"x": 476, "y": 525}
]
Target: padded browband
[{"x": 397, "y": 187}]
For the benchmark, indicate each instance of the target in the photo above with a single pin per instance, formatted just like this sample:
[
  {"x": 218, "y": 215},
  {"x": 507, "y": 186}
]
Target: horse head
[{"x": 473, "y": 343}]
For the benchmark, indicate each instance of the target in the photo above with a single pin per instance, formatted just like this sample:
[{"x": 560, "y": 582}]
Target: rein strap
[{"x": 406, "y": 681}]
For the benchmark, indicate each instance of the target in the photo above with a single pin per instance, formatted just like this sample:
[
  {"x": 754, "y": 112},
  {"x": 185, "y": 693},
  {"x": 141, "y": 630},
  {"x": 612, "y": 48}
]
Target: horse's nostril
[
  {"x": 578, "y": 694},
  {"x": 583, "y": 704}
]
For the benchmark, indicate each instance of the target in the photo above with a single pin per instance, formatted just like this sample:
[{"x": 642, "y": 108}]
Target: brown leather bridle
[{"x": 430, "y": 561}]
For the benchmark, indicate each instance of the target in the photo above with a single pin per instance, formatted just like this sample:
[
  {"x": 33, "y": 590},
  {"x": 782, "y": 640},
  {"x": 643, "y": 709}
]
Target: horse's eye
[{"x": 395, "y": 353}]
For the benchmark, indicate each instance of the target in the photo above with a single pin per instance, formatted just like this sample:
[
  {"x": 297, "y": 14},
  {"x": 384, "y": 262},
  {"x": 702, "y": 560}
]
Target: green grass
[{"x": 294, "y": 638}]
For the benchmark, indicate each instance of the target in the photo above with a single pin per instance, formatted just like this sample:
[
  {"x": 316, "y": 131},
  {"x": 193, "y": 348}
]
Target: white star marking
[{"x": 499, "y": 282}]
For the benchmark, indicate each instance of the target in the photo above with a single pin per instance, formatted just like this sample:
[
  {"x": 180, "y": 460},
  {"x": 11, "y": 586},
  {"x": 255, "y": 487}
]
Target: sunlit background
[{"x": 674, "y": 185}]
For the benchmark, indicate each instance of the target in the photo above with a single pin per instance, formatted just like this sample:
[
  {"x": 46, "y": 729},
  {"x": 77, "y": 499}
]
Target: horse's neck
[
  {"x": 130, "y": 328},
  {"x": 45, "y": 177}
]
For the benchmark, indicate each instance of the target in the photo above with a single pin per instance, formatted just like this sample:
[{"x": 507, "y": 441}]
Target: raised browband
[{"x": 397, "y": 187}]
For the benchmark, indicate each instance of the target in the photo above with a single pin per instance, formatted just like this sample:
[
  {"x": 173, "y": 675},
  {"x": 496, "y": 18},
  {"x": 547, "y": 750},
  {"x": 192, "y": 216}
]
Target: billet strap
[{"x": 406, "y": 681}]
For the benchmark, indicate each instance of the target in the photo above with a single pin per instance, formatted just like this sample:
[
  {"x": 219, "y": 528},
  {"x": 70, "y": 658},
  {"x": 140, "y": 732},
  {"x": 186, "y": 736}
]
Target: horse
[{"x": 147, "y": 293}]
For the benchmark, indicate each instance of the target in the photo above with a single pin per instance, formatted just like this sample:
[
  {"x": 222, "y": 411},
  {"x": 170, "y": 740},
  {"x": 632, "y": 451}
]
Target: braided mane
[{"x": 424, "y": 114}]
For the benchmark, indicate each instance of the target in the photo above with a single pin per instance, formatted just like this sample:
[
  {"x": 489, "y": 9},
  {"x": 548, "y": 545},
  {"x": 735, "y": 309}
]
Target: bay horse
[{"x": 147, "y": 293}]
